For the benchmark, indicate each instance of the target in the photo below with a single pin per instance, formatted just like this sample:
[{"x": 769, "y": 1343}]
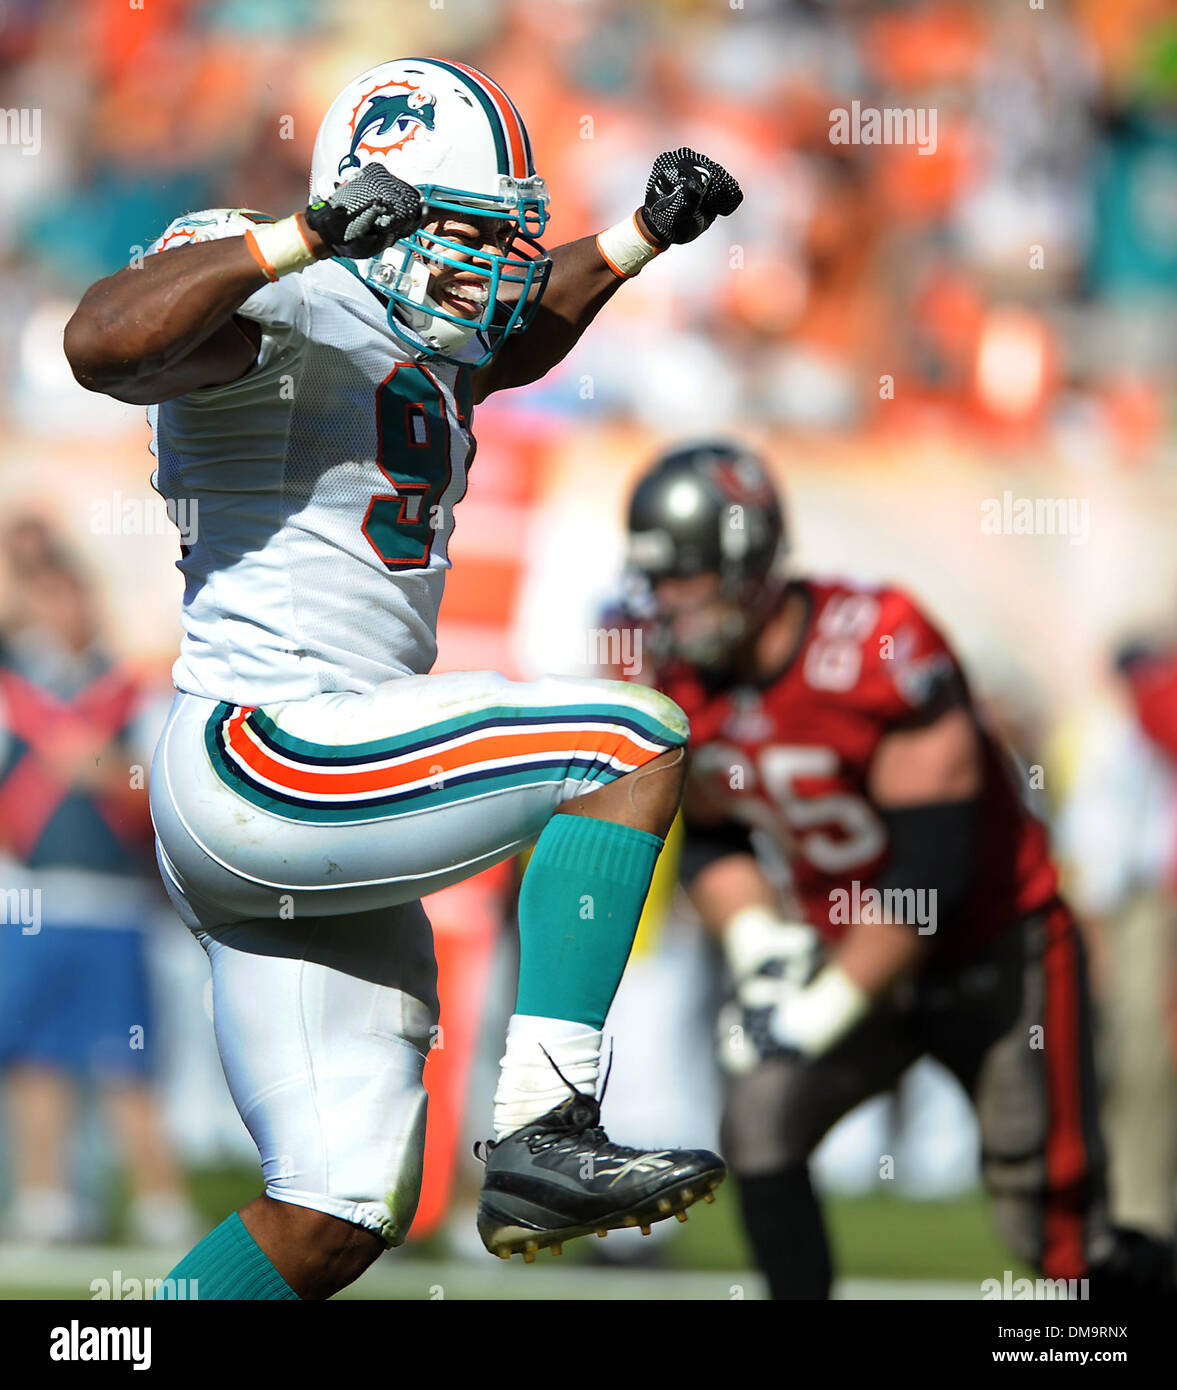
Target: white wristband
[
  {"x": 625, "y": 248},
  {"x": 823, "y": 1012},
  {"x": 281, "y": 248}
]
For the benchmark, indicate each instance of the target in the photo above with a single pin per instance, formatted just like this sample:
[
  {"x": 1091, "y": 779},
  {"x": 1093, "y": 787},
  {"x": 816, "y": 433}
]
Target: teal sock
[
  {"x": 228, "y": 1263},
  {"x": 579, "y": 907}
]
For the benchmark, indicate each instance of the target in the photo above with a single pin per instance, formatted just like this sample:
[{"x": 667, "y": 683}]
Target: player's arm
[
  {"x": 722, "y": 877},
  {"x": 149, "y": 333},
  {"x": 780, "y": 963},
  {"x": 925, "y": 783},
  {"x": 685, "y": 193},
  {"x": 718, "y": 865},
  {"x": 579, "y": 285},
  {"x": 774, "y": 961}
]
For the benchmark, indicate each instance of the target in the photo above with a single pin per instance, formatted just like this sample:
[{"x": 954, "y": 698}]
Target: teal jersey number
[{"x": 413, "y": 453}]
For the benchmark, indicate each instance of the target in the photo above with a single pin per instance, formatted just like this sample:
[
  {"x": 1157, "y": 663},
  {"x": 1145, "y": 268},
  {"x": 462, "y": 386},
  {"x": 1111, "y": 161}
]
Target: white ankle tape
[
  {"x": 625, "y": 248},
  {"x": 528, "y": 1084},
  {"x": 281, "y": 248}
]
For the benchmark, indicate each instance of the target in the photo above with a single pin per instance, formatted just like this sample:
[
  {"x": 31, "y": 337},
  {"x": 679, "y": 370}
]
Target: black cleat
[{"x": 561, "y": 1176}]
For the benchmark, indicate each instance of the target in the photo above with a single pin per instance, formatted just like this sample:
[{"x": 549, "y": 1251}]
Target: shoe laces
[{"x": 567, "y": 1125}]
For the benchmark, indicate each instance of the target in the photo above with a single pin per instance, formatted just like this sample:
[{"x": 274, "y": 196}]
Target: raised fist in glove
[
  {"x": 364, "y": 217},
  {"x": 685, "y": 194}
]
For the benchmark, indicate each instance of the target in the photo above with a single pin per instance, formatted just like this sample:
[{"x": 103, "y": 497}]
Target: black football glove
[
  {"x": 365, "y": 216},
  {"x": 686, "y": 193}
]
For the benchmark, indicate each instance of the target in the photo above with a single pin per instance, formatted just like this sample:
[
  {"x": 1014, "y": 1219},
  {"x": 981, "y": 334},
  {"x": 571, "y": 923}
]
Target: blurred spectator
[
  {"x": 1118, "y": 833},
  {"x": 847, "y": 263},
  {"x": 75, "y": 1001}
]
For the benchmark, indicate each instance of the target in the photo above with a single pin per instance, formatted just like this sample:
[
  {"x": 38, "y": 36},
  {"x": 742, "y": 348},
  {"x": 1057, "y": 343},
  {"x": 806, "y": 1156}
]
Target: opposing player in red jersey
[{"x": 833, "y": 734}]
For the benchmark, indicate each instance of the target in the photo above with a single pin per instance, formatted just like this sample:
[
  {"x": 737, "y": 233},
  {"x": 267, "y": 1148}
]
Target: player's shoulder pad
[
  {"x": 278, "y": 305},
  {"x": 209, "y": 225},
  {"x": 914, "y": 657},
  {"x": 848, "y": 611},
  {"x": 875, "y": 643}
]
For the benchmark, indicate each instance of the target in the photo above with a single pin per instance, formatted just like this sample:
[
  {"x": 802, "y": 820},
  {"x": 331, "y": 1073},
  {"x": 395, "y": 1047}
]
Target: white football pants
[{"x": 296, "y": 841}]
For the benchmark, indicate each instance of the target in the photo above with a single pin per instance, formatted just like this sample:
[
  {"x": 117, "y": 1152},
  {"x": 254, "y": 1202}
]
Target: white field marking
[{"x": 68, "y": 1270}]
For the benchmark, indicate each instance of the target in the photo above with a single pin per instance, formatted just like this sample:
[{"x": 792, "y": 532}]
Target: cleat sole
[{"x": 508, "y": 1239}]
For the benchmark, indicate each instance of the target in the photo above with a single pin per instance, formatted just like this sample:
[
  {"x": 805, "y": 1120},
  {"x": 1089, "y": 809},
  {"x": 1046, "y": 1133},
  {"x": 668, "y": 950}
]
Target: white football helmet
[{"x": 455, "y": 135}]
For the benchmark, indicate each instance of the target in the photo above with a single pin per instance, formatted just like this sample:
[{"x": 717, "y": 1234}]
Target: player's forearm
[
  {"x": 876, "y": 955},
  {"x": 579, "y": 285},
  {"x": 725, "y": 887},
  {"x": 685, "y": 193},
  {"x": 162, "y": 328},
  {"x": 143, "y": 320},
  {"x": 842, "y": 993}
]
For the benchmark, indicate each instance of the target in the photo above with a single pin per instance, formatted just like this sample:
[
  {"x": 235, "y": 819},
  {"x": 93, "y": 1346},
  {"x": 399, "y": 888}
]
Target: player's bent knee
[
  {"x": 375, "y": 1179},
  {"x": 316, "y": 1254},
  {"x": 325, "y": 1238},
  {"x": 643, "y": 731},
  {"x": 655, "y": 718},
  {"x": 662, "y": 709},
  {"x": 657, "y": 787}
]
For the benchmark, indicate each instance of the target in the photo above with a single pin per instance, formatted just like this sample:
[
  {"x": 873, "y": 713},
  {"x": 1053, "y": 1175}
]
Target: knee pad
[
  {"x": 642, "y": 698},
  {"x": 370, "y": 1172}
]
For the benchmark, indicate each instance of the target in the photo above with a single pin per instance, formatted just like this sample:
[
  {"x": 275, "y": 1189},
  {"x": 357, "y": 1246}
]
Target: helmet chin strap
[{"x": 437, "y": 333}]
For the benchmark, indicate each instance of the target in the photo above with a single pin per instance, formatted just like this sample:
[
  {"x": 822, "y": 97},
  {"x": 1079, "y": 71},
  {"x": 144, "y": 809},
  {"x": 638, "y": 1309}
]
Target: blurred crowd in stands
[{"x": 1019, "y": 278}]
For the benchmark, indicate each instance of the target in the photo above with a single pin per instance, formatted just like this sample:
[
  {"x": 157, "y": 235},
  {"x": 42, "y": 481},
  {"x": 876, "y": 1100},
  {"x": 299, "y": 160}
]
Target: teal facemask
[{"x": 402, "y": 275}]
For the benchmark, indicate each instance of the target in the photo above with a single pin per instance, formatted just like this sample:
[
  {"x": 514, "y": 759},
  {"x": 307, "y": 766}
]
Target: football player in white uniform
[{"x": 311, "y": 383}]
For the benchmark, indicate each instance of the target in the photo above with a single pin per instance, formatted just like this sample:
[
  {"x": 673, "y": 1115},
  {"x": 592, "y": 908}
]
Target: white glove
[
  {"x": 756, "y": 937},
  {"x": 787, "y": 1002},
  {"x": 813, "y": 1019},
  {"x": 771, "y": 960}
]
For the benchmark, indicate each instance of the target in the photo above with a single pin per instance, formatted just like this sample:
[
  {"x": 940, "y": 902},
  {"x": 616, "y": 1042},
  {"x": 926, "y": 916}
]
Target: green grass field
[{"x": 875, "y": 1238}]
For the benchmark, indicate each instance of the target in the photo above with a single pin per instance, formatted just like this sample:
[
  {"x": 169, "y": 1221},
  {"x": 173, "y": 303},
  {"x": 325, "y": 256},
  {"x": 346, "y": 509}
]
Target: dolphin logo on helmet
[{"x": 407, "y": 112}]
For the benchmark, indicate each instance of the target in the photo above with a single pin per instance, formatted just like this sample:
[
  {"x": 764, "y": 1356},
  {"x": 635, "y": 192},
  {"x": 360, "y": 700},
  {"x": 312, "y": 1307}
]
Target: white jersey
[{"x": 315, "y": 495}]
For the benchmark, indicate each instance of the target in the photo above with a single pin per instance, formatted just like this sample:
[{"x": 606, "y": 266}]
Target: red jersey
[
  {"x": 1154, "y": 691},
  {"x": 790, "y": 756}
]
